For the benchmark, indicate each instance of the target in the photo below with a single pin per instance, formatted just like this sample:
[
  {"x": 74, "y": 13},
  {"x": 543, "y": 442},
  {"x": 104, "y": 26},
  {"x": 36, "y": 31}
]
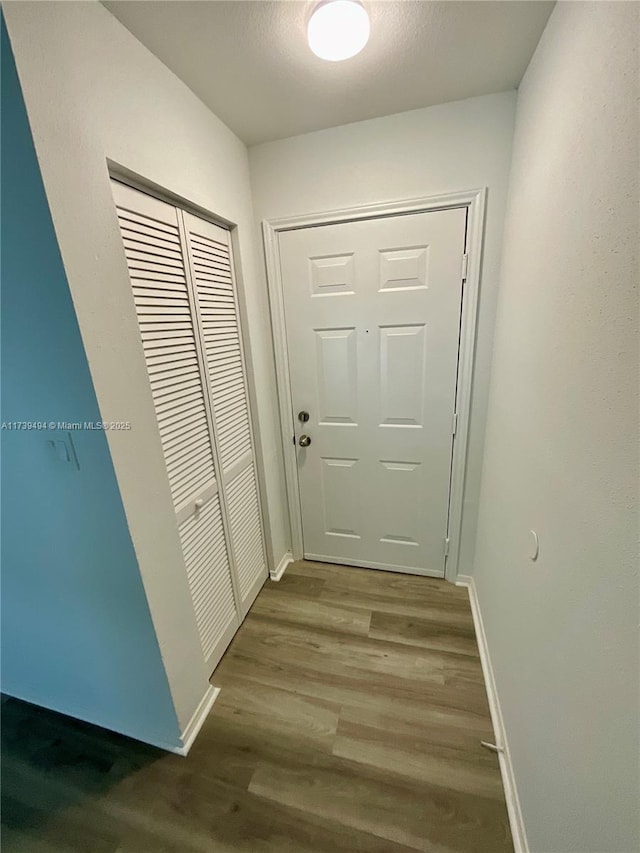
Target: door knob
[
  {"x": 304, "y": 440},
  {"x": 198, "y": 504}
]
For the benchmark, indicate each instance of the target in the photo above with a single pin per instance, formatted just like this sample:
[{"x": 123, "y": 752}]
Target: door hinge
[
  {"x": 454, "y": 428},
  {"x": 465, "y": 266},
  {"x": 446, "y": 547}
]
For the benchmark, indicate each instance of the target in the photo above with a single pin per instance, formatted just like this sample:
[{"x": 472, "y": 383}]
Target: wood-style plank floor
[{"x": 350, "y": 719}]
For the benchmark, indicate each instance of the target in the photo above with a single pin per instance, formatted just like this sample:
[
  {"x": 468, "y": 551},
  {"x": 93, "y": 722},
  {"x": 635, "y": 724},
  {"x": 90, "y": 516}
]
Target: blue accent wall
[{"x": 77, "y": 635}]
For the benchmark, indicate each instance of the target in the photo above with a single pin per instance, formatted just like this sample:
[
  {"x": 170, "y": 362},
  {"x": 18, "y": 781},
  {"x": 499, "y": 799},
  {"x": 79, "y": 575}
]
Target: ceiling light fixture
[{"x": 338, "y": 29}]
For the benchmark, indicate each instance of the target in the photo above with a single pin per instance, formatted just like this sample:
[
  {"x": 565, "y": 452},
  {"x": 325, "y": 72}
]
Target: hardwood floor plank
[
  {"x": 322, "y": 650},
  {"x": 382, "y": 694},
  {"x": 424, "y": 633},
  {"x": 441, "y": 611},
  {"x": 27, "y": 841},
  {"x": 306, "y": 587},
  {"x": 30, "y": 828},
  {"x": 309, "y": 613},
  {"x": 391, "y": 585},
  {"x": 349, "y": 720},
  {"x": 235, "y": 820},
  {"x": 274, "y": 711},
  {"x": 248, "y": 749},
  {"x": 441, "y": 821},
  {"x": 423, "y": 765},
  {"x": 69, "y": 816},
  {"x": 458, "y": 730}
]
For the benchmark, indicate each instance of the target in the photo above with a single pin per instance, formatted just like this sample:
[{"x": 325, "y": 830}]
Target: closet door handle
[{"x": 198, "y": 504}]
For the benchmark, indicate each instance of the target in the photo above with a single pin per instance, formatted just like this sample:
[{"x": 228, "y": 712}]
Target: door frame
[{"x": 474, "y": 201}]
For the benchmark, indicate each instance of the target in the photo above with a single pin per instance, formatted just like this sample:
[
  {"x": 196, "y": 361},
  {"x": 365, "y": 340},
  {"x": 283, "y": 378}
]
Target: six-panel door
[{"x": 373, "y": 315}]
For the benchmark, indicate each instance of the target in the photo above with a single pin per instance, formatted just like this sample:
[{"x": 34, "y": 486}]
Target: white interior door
[
  {"x": 372, "y": 313},
  {"x": 159, "y": 272},
  {"x": 215, "y": 292}
]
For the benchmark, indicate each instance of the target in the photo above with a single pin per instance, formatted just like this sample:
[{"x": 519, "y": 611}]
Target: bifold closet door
[
  {"x": 216, "y": 295},
  {"x": 154, "y": 248}
]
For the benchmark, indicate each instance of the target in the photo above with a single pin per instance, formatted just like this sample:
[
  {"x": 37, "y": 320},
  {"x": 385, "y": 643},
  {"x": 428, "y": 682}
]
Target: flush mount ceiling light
[{"x": 338, "y": 29}]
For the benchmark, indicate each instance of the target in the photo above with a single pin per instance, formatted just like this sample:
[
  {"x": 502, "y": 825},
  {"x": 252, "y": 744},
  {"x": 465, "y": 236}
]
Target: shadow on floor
[{"x": 55, "y": 767}]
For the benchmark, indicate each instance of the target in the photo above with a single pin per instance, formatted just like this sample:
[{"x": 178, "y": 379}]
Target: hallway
[{"x": 350, "y": 719}]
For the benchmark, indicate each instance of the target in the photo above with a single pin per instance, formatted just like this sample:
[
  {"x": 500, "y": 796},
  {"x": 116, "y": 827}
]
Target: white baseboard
[
  {"x": 185, "y": 740},
  {"x": 280, "y": 569},
  {"x": 506, "y": 767},
  {"x": 195, "y": 723}
]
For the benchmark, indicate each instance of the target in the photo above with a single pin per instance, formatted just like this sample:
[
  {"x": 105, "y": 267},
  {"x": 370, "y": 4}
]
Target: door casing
[{"x": 474, "y": 201}]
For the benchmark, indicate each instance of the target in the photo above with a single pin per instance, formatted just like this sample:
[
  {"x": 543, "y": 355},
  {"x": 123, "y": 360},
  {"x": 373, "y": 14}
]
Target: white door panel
[
  {"x": 373, "y": 314},
  {"x": 159, "y": 271},
  {"x": 184, "y": 290},
  {"x": 222, "y": 350}
]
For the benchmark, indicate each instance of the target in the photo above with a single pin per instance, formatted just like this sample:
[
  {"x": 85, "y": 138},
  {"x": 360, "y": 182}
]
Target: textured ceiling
[{"x": 249, "y": 61}]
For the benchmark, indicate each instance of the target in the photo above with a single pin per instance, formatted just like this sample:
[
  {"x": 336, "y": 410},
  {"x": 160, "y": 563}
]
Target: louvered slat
[
  {"x": 179, "y": 350},
  {"x": 246, "y": 531},
  {"x": 208, "y": 570},
  {"x": 154, "y": 253},
  {"x": 172, "y": 382},
  {"x": 211, "y": 271},
  {"x": 221, "y": 332}
]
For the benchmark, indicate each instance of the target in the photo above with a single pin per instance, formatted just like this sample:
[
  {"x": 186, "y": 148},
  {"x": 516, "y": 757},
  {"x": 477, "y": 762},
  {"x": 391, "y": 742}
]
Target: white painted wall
[
  {"x": 457, "y": 146},
  {"x": 562, "y": 439},
  {"x": 94, "y": 93}
]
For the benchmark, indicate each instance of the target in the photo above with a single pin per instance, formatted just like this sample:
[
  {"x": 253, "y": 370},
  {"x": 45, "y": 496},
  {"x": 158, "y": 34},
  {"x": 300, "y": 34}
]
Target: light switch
[
  {"x": 60, "y": 449},
  {"x": 64, "y": 450}
]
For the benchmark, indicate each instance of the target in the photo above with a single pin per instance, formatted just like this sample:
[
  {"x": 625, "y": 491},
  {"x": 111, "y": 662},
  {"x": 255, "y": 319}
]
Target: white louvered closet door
[
  {"x": 154, "y": 247},
  {"x": 215, "y": 289}
]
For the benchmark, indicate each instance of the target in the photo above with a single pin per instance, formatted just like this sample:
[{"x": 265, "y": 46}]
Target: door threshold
[{"x": 368, "y": 564}]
